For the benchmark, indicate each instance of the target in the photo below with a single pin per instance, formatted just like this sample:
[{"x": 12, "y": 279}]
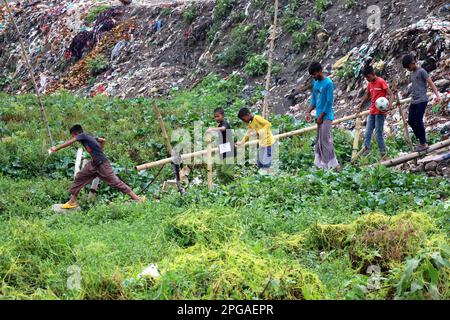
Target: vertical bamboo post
[
  {"x": 403, "y": 116},
  {"x": 357, "y": 134},
  {"x": 209, "y": 160},
  {"x": 30, "y": 70},
  {"x": 265, "y": 112},
  {"x": 78, "y": 161},
  {"x": 163, "y": 129}
]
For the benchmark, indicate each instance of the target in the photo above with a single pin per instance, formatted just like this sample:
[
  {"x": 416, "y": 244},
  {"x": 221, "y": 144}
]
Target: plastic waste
[{"x": 151, "y": 270}]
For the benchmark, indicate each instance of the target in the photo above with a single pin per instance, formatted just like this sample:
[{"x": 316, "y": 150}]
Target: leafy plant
[
  {"x": 347, "y": 71},
  {"x": 222, "y": 9},
  {"x": 321, "y": 6},
  {"x": 425, "y": 276},
  {"x": 189, "y": 15},
  {"x": 291, "y": 23},
  {"x": 262, "y": 36},
  {"x": 313, "y": 26},
  {"x": 238, "y": 46},
  {"x": 98, "y": 65},
  {"x": 256, "y": 65},
  {"x": 348, "y": 4},
  {"x": 300, "y": 40},
  {"x": 95, "y": 11}
]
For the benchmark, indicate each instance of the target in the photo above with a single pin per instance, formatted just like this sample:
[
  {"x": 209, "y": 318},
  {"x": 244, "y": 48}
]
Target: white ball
[{"x": 382, "y": 104}]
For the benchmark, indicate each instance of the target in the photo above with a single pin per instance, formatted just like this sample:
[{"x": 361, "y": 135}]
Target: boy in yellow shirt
[{"x": 260, "y": 127}]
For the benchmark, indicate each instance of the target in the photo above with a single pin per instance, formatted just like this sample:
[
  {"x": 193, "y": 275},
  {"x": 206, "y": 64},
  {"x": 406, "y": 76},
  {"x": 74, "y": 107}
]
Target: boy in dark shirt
[
  {"x": 418, "y": 91},
  {"x": 226, "y": 136},
  {"x": 99, "y": 166}
]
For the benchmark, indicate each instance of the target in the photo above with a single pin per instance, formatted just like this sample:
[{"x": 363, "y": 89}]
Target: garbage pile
[
  {"x": 102, "y": 47},
  {"x": 127, "y": 50}
]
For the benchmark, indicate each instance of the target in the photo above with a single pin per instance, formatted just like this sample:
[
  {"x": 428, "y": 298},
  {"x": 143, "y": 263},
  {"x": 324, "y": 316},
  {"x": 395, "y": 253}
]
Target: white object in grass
[{"x": 151, "y": 270}]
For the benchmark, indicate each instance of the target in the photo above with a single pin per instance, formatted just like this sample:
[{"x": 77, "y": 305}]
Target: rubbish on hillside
[
  {"x": 81, "y": 43},
  {"x": 115, "y": 54},
  {"x": 340, "y": 63}
]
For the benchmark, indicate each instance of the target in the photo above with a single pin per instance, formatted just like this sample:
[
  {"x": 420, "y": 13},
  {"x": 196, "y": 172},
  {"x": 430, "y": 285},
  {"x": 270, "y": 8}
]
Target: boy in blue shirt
[{"x": 322, "y": 100}]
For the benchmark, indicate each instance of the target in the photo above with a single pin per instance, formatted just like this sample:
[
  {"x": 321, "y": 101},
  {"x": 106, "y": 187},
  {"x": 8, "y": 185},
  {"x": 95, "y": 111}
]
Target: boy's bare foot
[{"x": 140, "y": 199}]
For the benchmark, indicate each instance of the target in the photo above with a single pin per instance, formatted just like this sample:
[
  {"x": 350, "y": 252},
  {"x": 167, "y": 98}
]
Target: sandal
[{"x": 68, "y": 205}]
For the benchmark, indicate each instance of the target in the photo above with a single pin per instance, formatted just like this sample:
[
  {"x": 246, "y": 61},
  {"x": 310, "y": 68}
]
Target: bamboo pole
[
  {"x": 30, "y": 70},
  {"x": 163, "y": 129},
  {"x": 78, "y": 161},
  {"x": 403, "y": 116},
  {"x": 253, "y": 142},
  {"x": 176, "y": 166},
  {"x": 414, "y": 155},
  {"x": 265, "y": 112},
  {"x": 357, "y": 134},
  {"x": 209, "y": 160}
]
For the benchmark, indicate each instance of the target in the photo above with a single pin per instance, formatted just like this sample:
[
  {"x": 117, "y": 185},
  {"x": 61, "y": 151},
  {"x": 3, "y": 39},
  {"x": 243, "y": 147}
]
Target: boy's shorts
[{"x": 265, "y": 155}]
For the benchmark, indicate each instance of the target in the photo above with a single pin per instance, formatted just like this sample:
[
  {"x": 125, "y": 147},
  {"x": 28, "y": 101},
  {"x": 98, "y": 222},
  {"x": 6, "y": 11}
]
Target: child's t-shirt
[
  {"x": 226, "y": 137},
  {"x": 323, "y": 98},
  {"x": 93, "y": 147},
  {"x": 262, "y": 127},
  {"x": 419, "y": 86},
  {"x": 377, "y": 89}
]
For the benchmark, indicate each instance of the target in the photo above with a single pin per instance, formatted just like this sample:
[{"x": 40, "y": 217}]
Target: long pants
[
  {"x": 325, "y": 156},
  {"x": 104, "y": 172},
  {"x": 265, "y": 156},
  {"x": 375, "y": 121},
  {"x": 415, "y": 120}
]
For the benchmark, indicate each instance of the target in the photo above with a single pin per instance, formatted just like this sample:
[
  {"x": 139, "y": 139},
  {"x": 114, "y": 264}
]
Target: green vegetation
[
  {"x": 301, "y": 234},
  {"x": 189, "y": 15},
  {"x": 350, "y": 3},
  {"x": 320, "y": 6},
  {"x": 237, "y": 16},
  {"x": 301, "y": 39},
  {"x": 98, "y": 65},
  {"x": 238, "y": 46},
  {"x": 222, "y": 9},
  {"x": 95, "y": 11},
  {"x": 347, "y": 71},
  {"x": 263, "y": 35},
  {"x": 256, "y": 65},
  {"x": 291, "y": 23}
]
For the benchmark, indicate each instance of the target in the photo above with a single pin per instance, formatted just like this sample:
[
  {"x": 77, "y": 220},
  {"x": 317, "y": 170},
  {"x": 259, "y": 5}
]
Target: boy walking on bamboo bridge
[
  {"x": 322, "y": 100},
  {"x": 259, "y": 127},
  {"x": 99, "y": 166},
  {"x": 376, "y": 88},
  {"x": 418, "y": 90},
  {"x": 226, "y": 145}
]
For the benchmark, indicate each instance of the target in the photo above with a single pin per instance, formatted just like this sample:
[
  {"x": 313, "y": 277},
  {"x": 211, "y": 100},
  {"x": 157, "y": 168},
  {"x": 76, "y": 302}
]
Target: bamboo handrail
[{"x": 254, "y": 142}]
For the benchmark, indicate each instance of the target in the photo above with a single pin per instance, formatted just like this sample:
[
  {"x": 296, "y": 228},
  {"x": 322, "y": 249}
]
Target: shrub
[
  {"x": 222, "y": 9},
  {"x": 95, "y": 11},
  {"x": 313, "y": 26},
  {"x": 348, "y": 4},
  {"x": 256, "y": 65},
  {"x": 98, "y": 65},
  {"x": 347, "y": 71},
  {"x": 321, "y": 6},
  {"x": 238, "y": 47},
  {"x": 300, "y": 40},
  {"x": 189, "y": 15},
  {"x": 291, "y": 23}
]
